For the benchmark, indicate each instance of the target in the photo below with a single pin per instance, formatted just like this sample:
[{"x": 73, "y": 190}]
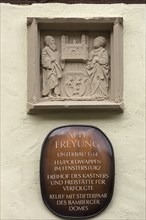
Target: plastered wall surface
[{"x": 22, "y": 134}]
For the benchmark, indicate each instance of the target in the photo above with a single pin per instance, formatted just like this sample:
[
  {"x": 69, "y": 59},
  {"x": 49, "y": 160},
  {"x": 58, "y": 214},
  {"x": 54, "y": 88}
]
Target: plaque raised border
[
  {"x": 114, "y": 25},
  {"x": 112, "y": 170}
]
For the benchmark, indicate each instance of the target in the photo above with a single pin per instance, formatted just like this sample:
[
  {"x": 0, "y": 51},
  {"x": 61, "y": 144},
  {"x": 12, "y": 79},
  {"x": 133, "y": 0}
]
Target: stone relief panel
[
  {"x": 75, "y": 66},
  {"x": 75, "y": 63},
  {"x": 52, "y": 72}
]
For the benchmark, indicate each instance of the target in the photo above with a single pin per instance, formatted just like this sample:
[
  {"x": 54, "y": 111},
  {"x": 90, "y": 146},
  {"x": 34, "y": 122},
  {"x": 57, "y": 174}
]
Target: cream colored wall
[{"x": 22, "y": 134}]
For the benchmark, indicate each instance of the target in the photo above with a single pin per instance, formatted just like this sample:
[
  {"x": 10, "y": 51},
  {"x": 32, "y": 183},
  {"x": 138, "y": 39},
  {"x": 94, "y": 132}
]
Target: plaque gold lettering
[{"x": 77, "y": 171}]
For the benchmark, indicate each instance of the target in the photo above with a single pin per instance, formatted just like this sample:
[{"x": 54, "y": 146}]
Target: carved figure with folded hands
[{"x": 98, "y": 69}]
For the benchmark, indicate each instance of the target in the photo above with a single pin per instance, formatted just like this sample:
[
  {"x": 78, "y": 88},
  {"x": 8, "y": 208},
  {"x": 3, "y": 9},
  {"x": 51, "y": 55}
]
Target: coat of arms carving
[
  {"x": 75, "y": 63},
  {"x": 74, "y": 72}
]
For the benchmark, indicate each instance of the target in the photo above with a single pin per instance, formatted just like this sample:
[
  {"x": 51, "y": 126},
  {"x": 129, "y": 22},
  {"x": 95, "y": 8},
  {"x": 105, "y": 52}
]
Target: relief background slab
[{"x": 76, "y": 73}]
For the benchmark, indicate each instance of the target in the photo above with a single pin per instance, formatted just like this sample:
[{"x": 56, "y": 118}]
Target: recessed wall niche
[{"x": 75, "y": 63}]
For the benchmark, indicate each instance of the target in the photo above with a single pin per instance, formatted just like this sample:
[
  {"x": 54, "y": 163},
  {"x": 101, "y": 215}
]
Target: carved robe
[
  {"x": 98, "y": 70},
  {"x": 51, "y": 72}
]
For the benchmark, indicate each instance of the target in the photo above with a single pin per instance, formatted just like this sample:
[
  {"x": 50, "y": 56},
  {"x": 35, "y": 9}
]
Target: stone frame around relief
[{"x": 37, "y": 27}]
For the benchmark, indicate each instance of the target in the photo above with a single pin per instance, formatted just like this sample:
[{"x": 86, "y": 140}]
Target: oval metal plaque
[{"x": 77, "y": 171}]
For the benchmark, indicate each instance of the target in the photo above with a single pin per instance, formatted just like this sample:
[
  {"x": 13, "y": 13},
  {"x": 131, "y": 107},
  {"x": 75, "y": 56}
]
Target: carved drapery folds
[
  {"x": 75, "y": 63},
  {"x": 51, "y": 69},
  {"x": 75, "y": 73}
]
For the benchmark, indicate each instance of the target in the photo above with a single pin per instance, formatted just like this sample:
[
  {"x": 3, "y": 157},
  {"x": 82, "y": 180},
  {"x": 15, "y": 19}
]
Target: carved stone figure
[
  {"x": 98, "y": 69},
  {"x": 81, "y": 63},
  {"x": 52, "y": 71},
  {"x": 71, "y": 72}
]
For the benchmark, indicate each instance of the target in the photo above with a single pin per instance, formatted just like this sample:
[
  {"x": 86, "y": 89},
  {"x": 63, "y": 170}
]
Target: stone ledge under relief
[
  {"x": 75, "y": 68},
  {"x": 106, "y": 105}
]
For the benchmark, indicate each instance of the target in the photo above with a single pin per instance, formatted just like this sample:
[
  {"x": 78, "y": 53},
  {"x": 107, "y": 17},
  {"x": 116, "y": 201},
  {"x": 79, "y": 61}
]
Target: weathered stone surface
[
  {"x": 77, "y": 171},
  {"x": 81, "y": 63}
]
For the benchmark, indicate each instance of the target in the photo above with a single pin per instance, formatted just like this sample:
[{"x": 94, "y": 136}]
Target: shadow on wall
[
  {"x": 74, "y": 1},
  {"x": 75, "y": 115}
]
